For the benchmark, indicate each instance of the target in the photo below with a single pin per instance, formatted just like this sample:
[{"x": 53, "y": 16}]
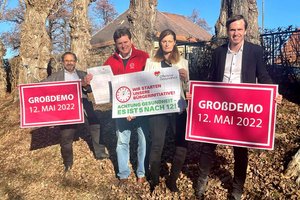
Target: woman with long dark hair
[{"x": 168, "y": 56}]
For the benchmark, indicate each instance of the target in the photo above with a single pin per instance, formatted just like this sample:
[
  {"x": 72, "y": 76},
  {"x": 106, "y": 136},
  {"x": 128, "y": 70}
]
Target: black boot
[
  {"x": 207, "y": 157},
  {"x": 235, "y": 196},
  {"x": 154, "y": 175},
  {"x": 177, "y": 164},
  {"x": 201, "y": 186}
]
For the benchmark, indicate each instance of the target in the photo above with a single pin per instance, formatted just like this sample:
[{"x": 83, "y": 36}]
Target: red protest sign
[
  {"x": 232, "y": 114},
  {"x": 51, "y": 103}
]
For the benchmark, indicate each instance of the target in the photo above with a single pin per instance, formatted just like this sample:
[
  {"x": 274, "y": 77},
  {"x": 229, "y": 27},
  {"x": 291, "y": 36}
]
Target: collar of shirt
[
  {"x": 229, "y": 51},
  {"x": 233, "y": 66},
  {"x": 71, "y": 76},
  {"x": 128, "y": 56}
]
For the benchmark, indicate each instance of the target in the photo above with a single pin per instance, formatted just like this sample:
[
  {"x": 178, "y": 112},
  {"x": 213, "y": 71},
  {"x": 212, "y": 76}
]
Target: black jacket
[{"x": 253, "y": 67}]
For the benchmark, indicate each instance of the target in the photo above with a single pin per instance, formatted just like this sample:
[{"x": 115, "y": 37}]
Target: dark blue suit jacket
[{"x": 253, "y": 67}]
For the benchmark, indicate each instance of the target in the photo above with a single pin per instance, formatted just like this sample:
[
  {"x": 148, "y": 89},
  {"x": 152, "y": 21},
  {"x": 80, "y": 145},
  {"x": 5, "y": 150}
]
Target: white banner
[
  {"x": 146, "y": 93},
  {"x": 101, "y": 83}
]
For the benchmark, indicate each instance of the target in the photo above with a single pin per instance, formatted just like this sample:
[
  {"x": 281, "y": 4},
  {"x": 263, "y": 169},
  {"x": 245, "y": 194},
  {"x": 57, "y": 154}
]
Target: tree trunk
[
  {"x": 35, "y": 46},
  {"x": 247, "y": 8},
  {"x": 3, "y": 83},
  {"x": 293, "y": 169},
  {"x": 80, "y": 32},
  {"x": 66, "y": 36},
  {"x": 141, "y": 17}
]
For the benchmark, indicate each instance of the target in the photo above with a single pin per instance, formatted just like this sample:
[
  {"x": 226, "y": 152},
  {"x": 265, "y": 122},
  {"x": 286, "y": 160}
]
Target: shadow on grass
[{"x": 44, "y": 137}]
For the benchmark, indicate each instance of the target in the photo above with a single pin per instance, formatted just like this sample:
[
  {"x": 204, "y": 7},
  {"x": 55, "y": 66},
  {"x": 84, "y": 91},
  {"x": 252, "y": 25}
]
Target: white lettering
[
  {"x": 52, "y": 98},
  {"x": 230, "y": 106}
]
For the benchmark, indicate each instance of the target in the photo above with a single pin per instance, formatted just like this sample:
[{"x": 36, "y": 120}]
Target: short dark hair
[
  {"x": 236, "y": 18},
  {"x": 121, "y": 32},
  {"x": 68, "y": 53}
]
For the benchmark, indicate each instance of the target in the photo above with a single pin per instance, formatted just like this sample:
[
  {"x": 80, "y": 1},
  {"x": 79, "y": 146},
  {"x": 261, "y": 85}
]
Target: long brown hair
[{"x": 159, "y": 55}]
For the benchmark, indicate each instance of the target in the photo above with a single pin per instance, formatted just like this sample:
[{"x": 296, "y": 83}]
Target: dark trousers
[
  {"x": 67, "y": 133},
  {"x": 207, "y": 158},
  {"x": 89, "y": 111},
  {"x": 158, "y": 127}
]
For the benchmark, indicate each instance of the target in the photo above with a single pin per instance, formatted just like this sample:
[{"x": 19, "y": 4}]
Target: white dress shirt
[
  {"x": 233, "y": 66},
  {"x": 71, "y": 76}
]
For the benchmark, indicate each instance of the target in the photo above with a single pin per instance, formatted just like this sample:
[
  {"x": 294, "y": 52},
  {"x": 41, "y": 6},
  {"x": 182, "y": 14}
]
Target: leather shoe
[
  {"x": 171, "y": 184},
  {"x": 201, "y": 186},
  {"x": 102, "y": 156},
  {"x": 235, "y": 196},
  {"x": 122, "y": 182},
  {"x": 141, "y": 180},
  {"x": 67, "y": 168}
]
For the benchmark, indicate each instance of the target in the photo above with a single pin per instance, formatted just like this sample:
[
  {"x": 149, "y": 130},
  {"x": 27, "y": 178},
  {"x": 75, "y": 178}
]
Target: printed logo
[
  {"x": 123, "y": 94},
  {"x": 157, "y": 73},
  {"x": 131, "y": 66}
]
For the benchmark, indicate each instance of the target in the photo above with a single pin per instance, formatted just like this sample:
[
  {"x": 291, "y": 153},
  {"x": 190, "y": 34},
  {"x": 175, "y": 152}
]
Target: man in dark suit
[
  {"x": 67, "y": 132},
  {"x": 237, "y": 61}
]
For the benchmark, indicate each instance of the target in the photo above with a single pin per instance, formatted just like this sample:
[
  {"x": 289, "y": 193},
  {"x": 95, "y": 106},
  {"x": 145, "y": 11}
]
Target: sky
[{"x": 277, "y": 13}]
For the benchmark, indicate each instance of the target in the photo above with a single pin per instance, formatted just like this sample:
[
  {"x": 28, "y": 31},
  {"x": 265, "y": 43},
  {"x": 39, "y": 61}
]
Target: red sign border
[
  {"x": 24, "y": 124},
  {"x": 271, "y": 124}
]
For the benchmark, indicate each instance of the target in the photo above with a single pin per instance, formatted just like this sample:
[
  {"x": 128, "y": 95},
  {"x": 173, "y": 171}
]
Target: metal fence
[
  {"x": 199, "y": 56},
  {"x": 282, "y": 48},
  {"x": 281, "y": 55}
]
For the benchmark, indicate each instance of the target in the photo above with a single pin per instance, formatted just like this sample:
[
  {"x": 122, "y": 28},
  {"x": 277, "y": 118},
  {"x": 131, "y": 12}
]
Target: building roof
[{"x": 185, "y": 29}]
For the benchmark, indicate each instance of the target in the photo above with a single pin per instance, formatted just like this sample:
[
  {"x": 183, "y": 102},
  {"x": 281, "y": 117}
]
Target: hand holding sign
[
  {"x": 52, "y": 103},
  {"x": 183, "y": 74},
  {"x": 278, "y": 99},
  {"x": 232, "y": 114},
  {"x": 87, "y": 80}
]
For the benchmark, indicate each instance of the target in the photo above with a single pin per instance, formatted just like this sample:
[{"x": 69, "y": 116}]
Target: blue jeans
[{"x": 124, "y": 129}]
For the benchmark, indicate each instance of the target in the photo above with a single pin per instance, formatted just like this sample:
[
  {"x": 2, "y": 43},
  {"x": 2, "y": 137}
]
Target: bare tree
[
  {"x": 105, "y": 11},
  {"x": 14, "y": 16},
  {"x": 2, "y": 72},
  {"x": 58, "y": 27},
  {"x": 80, "y": 32},
  {"x": 141, "y": 17},
  {"x": 35, "y": 46},
  {"x": 195, "y": 18},
  {"x": 2, "y": 54},
  {"x": 247, "y": 8},
  {"x": 101, "y": 13},
  {"x": 2, "y": 7}
]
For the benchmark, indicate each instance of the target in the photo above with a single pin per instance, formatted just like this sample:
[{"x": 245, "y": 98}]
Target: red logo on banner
[
  {"x": 156, "y": 73},
  {"x": 52, "y": 103},
  {"x": 123, "y": 94},
  {"x": 232, "y": 114}
]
